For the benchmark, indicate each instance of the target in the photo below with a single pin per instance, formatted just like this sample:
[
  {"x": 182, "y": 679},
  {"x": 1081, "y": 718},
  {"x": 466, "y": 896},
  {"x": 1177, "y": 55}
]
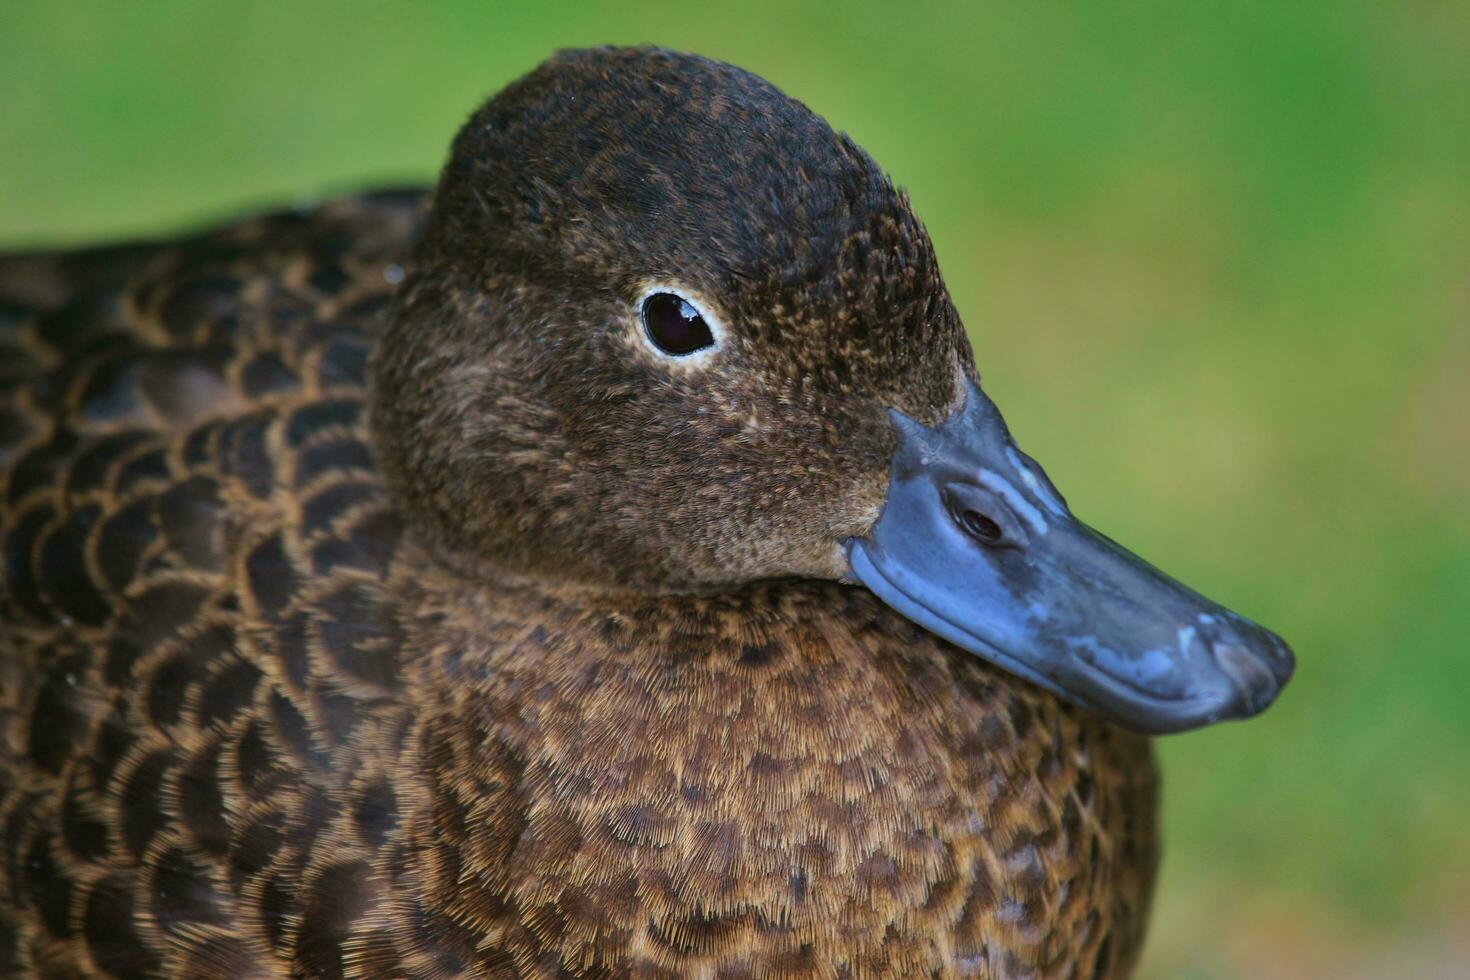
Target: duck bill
[{"x": 975, "y": 545}]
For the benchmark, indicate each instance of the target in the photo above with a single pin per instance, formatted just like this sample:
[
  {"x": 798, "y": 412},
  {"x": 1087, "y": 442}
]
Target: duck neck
[{"x": 777, "y": 743}]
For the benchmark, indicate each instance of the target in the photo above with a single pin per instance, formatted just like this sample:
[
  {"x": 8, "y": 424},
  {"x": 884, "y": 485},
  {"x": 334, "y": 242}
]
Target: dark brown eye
[
  {"x": 674, "y": 325},
  {"x": 980, "y": 527}
]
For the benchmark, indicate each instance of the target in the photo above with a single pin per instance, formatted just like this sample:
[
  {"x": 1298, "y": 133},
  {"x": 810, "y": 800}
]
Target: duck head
[{"x": 667, "y": 332}]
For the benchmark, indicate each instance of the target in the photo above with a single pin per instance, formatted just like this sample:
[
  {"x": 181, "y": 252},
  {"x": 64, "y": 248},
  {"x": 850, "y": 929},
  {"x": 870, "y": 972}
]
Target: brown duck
[{"x": 611, "y": 567}]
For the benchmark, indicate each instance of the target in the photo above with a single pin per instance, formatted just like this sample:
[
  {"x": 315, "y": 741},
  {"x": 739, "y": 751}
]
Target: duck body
[
  {"x": 251, "y": 727},
  {"x": 606, "y": 566}
]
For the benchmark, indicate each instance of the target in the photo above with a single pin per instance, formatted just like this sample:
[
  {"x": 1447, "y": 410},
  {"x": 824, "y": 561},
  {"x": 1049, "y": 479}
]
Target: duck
[{"x": 606, "y": 563}]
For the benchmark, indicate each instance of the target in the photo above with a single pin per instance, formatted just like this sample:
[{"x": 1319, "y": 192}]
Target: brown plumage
[{"x": 541, "y": 671}]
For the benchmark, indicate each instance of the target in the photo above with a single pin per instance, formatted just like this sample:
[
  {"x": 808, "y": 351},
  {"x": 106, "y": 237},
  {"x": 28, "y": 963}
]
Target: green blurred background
[{"x": 1216, "y": 263}]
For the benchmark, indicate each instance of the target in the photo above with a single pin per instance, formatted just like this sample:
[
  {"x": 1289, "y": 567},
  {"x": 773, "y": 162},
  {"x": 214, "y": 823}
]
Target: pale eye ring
[{"x": 674, "y": 325}]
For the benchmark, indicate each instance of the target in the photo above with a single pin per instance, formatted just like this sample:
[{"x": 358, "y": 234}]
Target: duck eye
[{"x": 674, "y": 325}]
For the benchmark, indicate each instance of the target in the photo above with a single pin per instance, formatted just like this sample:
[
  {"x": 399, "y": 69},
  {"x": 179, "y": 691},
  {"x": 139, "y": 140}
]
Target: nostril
[
  {"x": 982, "y": 517},
  {"x": 980, "y": 526}
]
